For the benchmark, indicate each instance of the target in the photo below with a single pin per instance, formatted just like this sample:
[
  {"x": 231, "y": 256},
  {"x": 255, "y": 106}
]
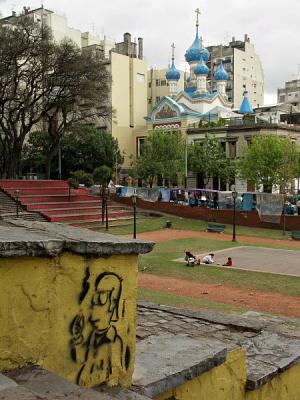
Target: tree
[
  {"x": 209, "y": 159},
  {"x": 82, "y": 148},
  {"x": 161, "y": 154},
  {"x": 44, "y": 83},
  {"x": 270, "y": 161}
]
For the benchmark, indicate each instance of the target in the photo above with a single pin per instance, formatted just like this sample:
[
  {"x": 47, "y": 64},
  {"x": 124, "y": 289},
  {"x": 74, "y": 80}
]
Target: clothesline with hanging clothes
[{"x": 269, "y": 206}]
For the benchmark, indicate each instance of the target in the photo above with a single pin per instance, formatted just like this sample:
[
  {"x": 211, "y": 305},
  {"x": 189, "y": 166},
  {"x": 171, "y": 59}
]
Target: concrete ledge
[
  {"x": 158, "y": 369},
  {"x": 25, "y": 238},
  {"x": 239, "y": 323}
]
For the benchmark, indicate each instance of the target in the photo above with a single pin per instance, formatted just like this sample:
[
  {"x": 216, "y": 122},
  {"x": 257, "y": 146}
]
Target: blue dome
[
  {"x": 246, "y": 107},
  {"x": 201, "y": 68},
  {"x": 205, "y": 54},
  {"x": 221, "y": 74},
  {"x": 196, "y": 51},
  {"x": 172, "y": 74}
]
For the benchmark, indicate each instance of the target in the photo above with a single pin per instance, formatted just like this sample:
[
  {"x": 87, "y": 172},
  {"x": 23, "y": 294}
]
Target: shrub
[
  {"x": 102, "y": 174},
  {"x": 82, "y": 177}
]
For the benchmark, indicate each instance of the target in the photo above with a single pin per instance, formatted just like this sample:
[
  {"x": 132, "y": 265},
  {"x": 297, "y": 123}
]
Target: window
[
  {"x": 232, "y": 149},
  {"x": 157, "y": 99},
  {"x": 163, "y": 83},
  {"x": 149, "y": 100},
  {"x": 150, "y": 84},
  {"x": 140, "y": 144},
  {"x": 157, "y": 82},
  {"x": 140, "y": 78}
]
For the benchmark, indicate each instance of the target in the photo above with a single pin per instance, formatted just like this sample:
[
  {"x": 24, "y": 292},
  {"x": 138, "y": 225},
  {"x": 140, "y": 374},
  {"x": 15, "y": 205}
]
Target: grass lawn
[
  {"x": 160, "y": 262},
  {"x": 156, "y": 223},
  {"x": 185, "y": 302}
]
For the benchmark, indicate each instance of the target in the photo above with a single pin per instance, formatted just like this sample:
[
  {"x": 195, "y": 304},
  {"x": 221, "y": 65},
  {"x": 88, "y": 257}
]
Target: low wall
[
  {"x": 68, "y": 302},
  {"x": 251, "y": 218}
]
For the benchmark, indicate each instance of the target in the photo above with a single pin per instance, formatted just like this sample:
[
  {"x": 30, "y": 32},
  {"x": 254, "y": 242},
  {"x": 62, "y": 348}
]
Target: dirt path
[
  {"x": 173, "y": 234},
  {"x": 274, "y": 303}
]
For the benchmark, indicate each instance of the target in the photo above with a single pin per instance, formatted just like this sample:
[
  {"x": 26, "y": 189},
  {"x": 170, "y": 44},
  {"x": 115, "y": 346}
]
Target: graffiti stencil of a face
[{"x": 105, "y": 302}]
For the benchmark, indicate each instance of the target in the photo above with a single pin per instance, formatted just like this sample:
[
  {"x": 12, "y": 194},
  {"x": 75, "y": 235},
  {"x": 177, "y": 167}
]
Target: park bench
[
  {"x": 213, "y": 227},
  {"x": 295, "y": 235}
]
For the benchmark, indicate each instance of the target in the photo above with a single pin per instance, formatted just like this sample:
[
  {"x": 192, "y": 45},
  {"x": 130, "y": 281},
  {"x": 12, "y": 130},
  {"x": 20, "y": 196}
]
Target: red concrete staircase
[{"x": 57, "y": 202}]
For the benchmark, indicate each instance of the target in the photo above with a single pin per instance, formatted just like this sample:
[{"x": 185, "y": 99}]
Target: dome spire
[
  {"x": 173, "y": 74},
  {"x": 198, "y": 12},
  {"x": 173, "y": 53}
]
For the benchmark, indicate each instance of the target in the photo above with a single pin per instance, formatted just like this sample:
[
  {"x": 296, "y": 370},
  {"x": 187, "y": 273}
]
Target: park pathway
[
  {"x": 273, "y": 303},
  {"x": 173, "y": 234}
]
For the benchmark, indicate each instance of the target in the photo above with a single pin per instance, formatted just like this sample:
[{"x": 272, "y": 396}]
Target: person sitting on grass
[
  {"x": 190, "y": 258},
  {"x": 228, "y": 262},
  {"x": 209, "y": 259}
]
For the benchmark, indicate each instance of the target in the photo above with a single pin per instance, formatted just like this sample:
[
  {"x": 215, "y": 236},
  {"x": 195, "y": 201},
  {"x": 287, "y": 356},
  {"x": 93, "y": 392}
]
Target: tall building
[
  {"x": 158, "y": 86},
  {"x": 290, "y": 94},
  {"x": 128, "y": 71},
  {"x": 244, "y": 68}
]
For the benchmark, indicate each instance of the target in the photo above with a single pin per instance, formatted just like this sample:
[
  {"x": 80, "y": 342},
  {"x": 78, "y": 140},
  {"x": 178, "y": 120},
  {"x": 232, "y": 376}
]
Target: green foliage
[
  {"x": 102, "y": 174},
  {"x": 81, "y": 177},
  {"x": 87, "y": 148},
  {"x": 162, "y": 154},
  {"x": 82, "y": 148},
  {"x": 73, "y": 182},
  {"x": 209, "y": 159},
  {"x": 270, "y": 160},
  {"x": 34, "y": 153}
]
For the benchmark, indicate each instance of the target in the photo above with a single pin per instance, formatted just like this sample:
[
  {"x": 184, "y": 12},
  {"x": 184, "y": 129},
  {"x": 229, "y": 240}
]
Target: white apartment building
[
  {"x": 158, "y": 85},
  {"x": 290, "y": 94},
  {"x": 127, "y": 68},
  {"x": 244, "y": 68}
]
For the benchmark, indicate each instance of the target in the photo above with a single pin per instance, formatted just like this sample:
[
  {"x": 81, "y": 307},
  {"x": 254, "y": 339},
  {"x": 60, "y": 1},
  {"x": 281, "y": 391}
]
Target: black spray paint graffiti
[{"x": 95, "y": 344}]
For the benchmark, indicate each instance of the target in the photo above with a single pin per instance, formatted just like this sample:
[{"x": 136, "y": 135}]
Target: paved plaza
[{"x": 262, "y": 259}]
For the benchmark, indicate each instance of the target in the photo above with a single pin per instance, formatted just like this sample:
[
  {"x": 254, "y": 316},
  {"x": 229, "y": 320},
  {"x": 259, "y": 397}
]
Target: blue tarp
[
  {"x": 247, "y": 202},
  {"x": 165, "y": 195}
]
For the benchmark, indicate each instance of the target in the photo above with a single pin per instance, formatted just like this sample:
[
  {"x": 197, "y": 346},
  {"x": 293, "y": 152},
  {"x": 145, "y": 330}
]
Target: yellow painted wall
[
  {"x": 129, "y": 101},
  {"x": 225, "y": 382},
  {"x": 285, "y": 386},
  {"x": 40, "y": 298}
]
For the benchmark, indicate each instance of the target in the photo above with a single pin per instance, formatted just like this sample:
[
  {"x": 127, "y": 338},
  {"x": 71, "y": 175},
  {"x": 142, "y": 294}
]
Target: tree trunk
[
  {"x": 12, "y": 167},
  {"x": 52, "y": 152}
]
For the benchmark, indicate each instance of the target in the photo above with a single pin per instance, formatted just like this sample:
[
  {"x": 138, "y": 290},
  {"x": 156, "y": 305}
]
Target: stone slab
[
  {"x": 236, "y": 322},
  {"x": 49, "y": 386},
  {"x": 157, "y": 369},
  {"x": 6, "y": 383},
  {"x": 27, "y": 238},
  {"x": 122, "y": 394},
  {"x": 19, "y": 393}
]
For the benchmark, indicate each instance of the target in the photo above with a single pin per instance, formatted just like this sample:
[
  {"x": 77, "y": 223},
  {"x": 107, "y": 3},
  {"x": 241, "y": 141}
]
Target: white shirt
[{"x": 208, "y": 259}]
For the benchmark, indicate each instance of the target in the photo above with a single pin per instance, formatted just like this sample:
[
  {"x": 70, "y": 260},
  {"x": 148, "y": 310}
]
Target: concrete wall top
[{"x": 26, "y": 238}]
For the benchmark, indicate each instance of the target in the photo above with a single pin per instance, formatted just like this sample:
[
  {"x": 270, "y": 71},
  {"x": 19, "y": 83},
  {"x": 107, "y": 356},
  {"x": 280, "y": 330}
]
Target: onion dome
[
  {"x": 221, "y": 74},
  {"x": 246, "y": 107},
  {"x": 172, "y": 74},
  {"x": 194, "y": 52},
  {"x": 205, "y": 54},
  {"x": 201, "y": 68}
]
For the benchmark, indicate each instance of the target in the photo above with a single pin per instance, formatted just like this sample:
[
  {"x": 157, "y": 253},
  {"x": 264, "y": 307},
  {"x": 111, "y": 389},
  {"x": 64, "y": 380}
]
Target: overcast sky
[{"x": 273, "y": 27}]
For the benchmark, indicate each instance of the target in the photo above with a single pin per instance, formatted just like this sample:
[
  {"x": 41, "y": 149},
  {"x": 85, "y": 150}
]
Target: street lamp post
[
  {"x": 234, "y": 196},
  {"x": 106, "y": 208},
  {"x": 134, "y": 199},
  {"x": 17, "y": 200}
]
